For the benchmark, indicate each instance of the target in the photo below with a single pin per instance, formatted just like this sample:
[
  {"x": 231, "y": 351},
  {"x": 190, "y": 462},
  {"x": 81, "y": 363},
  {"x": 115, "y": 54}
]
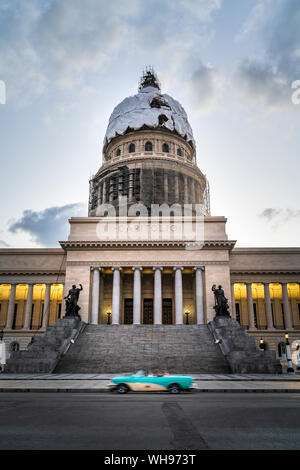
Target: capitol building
[{"x": 149, "y": 250}]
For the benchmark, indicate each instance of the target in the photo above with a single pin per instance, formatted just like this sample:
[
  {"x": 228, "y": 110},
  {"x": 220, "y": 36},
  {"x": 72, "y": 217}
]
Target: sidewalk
[{"x": 98, "y": 383}]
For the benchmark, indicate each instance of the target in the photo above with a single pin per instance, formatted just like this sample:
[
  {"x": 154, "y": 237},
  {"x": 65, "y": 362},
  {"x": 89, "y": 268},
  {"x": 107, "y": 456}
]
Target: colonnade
[
  {"x": 137, "y": 293},
  {"x": 108, "y": 189},
  {"x": 28, "y": 306},
  {"x": 268, "y": 306}
]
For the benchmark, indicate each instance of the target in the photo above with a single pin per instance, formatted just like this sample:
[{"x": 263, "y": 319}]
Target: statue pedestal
[
  {"x": 44, "y": 352},
  {"x": 240, "y": 350}
]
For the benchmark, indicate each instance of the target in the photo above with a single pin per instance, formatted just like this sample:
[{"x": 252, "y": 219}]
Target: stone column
[
  {"x": 199, "y": 295},
  {"x": 176, "y": 187},
  {"x": 28, "y": 309},
  {"x": 157, "y": 296},
  {"x": 186, "y": 190},
  {"x": 192, "y": 189},
  {"x": 120, "y": 185},
  {"x": 270, "y": 325},
  {"x": 286, "y": 307},
  {"x": 130, "y": 187},
  {"x": 137, "y": 295},
  {"x": 116, "y": 297},
  {"x": 46, "y": 308},
  {"x": 250, "y": 306},
  {"x": 95, "y": 295},
  {"x": 99, "y": 194},
  {"x": 178, "y": 296},
  {"x": 166, "y": 188},
  {"x": 233, "y": 310},
  {"x": 11, "y": 307},
  {"x": 111, "y": 193},
  {"x": 104, "y": 192}
]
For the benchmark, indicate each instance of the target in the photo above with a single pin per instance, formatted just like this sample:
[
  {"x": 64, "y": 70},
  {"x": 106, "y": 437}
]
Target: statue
[
  {"x": 221, "y": 303},
  {"x": 72, "y": 307}
]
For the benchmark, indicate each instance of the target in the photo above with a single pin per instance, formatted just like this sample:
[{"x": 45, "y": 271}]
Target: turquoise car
[{"x": 142, "y": 382}]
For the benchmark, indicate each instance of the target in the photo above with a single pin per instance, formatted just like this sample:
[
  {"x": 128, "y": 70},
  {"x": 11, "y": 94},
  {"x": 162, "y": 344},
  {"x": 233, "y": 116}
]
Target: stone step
[{"x": 121, "y": 348}]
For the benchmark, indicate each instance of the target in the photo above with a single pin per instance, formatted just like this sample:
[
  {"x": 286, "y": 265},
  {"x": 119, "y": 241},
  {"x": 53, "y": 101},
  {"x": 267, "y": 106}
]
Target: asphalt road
[{"x": 88, "y": 421}]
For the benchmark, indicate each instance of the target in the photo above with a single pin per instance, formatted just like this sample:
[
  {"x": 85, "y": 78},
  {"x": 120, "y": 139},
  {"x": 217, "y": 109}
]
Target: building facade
[{"x": 149, "y": 250}]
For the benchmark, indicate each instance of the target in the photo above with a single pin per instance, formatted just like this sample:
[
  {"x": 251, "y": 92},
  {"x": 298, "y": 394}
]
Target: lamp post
[
  {"x": 298, "y": 356},
  {"x": 2, "y": 351},
  {"x": 290, "y": 369},
  {"x": 187, "y": 317},
  {"x": 108, "y": 317},
  {"x": 262, "y": 345}
]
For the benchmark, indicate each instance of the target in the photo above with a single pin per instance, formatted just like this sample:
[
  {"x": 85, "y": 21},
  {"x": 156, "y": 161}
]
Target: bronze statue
[
  {"x": 72, "y": 307},
  {"x": 221, "y": 302}
]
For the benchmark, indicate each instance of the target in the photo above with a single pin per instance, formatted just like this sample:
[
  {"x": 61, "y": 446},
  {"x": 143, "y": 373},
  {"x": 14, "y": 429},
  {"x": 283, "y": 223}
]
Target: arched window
[
  {"x": 118, "y": 153},
  {"x": 131, "y": 148},
  {"x": 179, "y": 152},
  {"x": 148, "y": 147},
  {"x": 165, "y": 148}
]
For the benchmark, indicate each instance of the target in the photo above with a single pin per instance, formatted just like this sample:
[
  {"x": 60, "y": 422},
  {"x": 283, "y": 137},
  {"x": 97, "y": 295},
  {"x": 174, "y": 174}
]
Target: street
[{"x": 87, "y": 421}]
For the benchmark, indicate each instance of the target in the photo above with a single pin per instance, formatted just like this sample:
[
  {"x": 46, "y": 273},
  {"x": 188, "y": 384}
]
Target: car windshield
[
  {"x": 143, "y": 373},
  {"x": 140, "y": 373}
]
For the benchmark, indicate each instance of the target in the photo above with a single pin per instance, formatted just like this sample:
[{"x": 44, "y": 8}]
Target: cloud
[
  {"x": 270, "y": 213},
  {"x": 202, "y": 9},
  {"x": 278, "y": 216},
  {"x": 204, "y": 87},
  {"x": 3, "y": 244},
  {"x": 263, "y": 85},
  {"x": 266, "y": 77},
  {"x": 254, "y": 20},
  {"x": 48, "y": 226},
  {"x": 46, "y": 44}
]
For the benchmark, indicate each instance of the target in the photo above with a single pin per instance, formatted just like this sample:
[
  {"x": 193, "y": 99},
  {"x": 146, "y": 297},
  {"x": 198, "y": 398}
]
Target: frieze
[
  {"x": 141, "y": 158},
  {"x": 145, "y": 263},
  {"x": 33, "y": 278},
  {"x": 21, "y": 272},
  {"x": 214, "y": 244},
  {"x": 264, "y": 271}
]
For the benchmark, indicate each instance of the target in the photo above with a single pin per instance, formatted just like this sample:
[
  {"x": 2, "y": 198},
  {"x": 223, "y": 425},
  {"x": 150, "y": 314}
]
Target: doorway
[
  {"x": 148, "y": 312},
  {"x": 128, "y": 311},
  {"x": 167, "y": 315}
]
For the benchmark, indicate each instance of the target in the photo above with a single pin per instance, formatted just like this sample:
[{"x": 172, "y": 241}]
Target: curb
[{"x": 102, "y": 390}]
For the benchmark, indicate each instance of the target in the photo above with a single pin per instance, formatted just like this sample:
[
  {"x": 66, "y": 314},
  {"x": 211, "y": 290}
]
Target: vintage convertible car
[{"x": 143, "y": 382}]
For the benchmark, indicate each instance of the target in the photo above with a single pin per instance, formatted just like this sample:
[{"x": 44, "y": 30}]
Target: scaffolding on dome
[
  {"x": 206, "y": 197},
  {"x": 149, "y": 78}
]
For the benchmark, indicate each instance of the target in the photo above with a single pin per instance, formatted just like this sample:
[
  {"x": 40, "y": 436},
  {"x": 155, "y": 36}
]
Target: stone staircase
[
  {"x": 44, "y": 352},
  {"x": 180, "y": 349}
]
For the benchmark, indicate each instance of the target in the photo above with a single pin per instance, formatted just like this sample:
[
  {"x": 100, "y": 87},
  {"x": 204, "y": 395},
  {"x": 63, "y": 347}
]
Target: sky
[{"x": 232, "y": 64}]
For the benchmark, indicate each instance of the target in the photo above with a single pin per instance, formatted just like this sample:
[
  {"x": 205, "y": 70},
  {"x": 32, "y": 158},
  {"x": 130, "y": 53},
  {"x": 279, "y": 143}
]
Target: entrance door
[
  {"x": 148, "y": 312},
  {"x": 128, "y": 311},
  {"x": 167, "y": 312}
]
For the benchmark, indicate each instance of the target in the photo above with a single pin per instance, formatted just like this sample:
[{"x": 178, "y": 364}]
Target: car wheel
[
  {"x": 174, "y": 388},
  {"x": 122, "y": 388}
]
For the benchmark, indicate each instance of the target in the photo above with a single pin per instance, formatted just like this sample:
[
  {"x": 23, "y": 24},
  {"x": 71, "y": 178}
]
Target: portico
[{"x": 156, "y": 295}]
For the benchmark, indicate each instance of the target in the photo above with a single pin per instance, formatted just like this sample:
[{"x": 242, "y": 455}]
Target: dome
[{"x": 149, "y": 108}]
